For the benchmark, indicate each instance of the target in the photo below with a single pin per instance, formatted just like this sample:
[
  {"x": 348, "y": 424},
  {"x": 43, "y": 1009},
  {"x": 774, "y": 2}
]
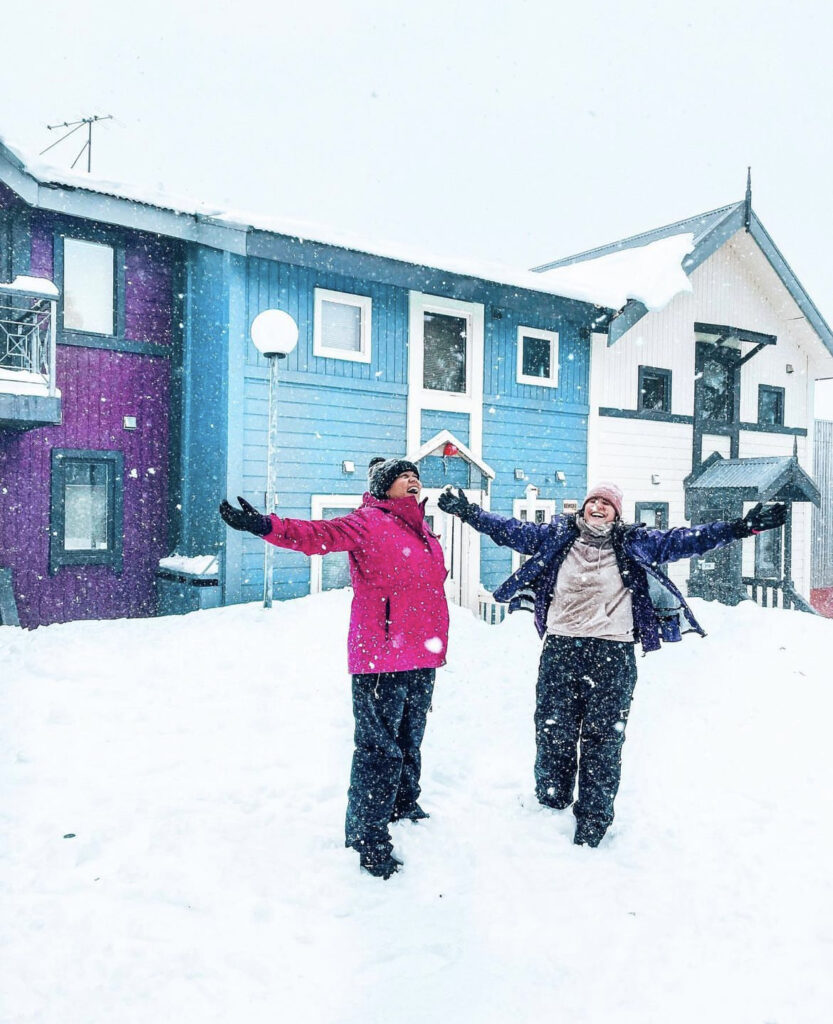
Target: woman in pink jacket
[{"x": 398, "y": 637}]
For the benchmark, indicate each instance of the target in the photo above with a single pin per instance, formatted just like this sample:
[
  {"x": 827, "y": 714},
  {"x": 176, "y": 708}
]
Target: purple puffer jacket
[{"x": 399, "y": 617}]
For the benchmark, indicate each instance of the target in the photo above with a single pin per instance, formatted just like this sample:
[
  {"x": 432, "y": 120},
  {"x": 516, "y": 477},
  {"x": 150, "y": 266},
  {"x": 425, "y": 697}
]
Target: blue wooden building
[{"x": 483, "y": 382}]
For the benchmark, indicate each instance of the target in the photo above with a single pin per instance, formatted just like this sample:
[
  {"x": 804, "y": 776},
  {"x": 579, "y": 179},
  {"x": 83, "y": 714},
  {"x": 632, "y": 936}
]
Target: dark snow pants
[
  {"x": 390, "y": 709},
  {"x": 584, "y": 692}
]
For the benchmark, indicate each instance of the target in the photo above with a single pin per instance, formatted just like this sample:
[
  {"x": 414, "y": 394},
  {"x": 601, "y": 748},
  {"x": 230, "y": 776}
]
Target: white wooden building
[{"x": 728, "y": 368}]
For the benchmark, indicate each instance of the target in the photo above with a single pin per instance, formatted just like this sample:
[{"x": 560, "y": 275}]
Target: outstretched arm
[
  {"x": 310, "y": 536},
  {"x": 509, "y": 533},
  {"x": 658, "y": 546}
]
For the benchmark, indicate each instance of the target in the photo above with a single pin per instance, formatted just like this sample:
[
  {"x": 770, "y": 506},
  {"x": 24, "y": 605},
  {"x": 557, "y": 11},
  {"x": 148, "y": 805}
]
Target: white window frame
[
  {"x": 531, "y": 504},
  {"x": 421, "y": 398},
  {"x": 362, "y": 302},
  {"x": 318, "y": 502},
  {"x": 552, "y": 338},
  {"x": 67, "y": 243}
]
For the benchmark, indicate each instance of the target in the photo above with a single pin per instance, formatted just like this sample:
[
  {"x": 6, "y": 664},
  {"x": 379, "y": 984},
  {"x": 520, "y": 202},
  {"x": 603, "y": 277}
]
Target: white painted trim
[
  {"x": 440, "y": 440},
  {"x": 419, "y": 398},
  {"x": 469, "y": 544},
  {"x": 552, "y": 338},
  {"x": 318, "y": 502},
  {"x": 364, "y": 303},
  {"x": 530, "y": 504},
  {"x": 598, "y": 350}
]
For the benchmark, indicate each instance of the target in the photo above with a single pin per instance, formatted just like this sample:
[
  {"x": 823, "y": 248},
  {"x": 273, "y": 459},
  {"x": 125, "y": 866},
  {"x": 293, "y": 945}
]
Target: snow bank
[{"x": 174, "y": 793}]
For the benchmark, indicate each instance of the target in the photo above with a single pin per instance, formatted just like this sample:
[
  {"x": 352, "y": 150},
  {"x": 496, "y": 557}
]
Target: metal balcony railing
[{"x": 27, "y": 336}]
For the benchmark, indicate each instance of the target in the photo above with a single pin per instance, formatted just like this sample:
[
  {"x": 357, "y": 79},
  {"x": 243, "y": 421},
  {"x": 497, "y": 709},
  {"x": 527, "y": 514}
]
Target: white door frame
[{"x": 463, "y": 585}]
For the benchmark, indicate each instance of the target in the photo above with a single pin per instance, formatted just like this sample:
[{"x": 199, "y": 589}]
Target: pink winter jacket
[{"x": 399, "y": 616}]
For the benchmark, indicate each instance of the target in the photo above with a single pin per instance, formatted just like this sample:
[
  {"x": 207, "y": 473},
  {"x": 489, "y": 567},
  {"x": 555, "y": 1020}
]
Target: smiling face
[
  {"x": 598, "y": 511},
  {"x": 406, "y": 485}
]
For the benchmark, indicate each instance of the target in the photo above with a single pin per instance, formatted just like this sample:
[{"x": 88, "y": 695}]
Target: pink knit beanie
[{"x": 610, "y": 492}]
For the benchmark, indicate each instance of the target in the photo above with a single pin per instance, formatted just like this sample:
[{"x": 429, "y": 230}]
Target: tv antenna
[{"x": 73, "y": 127}]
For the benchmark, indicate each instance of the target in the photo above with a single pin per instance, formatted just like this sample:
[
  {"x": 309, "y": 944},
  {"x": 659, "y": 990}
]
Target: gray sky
[{"x": 517, "y": 131}]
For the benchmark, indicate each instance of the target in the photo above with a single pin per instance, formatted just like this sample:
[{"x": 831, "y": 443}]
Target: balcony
[{"x": 28, "y": 395}]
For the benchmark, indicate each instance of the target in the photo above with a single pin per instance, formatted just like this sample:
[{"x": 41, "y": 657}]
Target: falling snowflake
[{"x": 434, "y": 645}]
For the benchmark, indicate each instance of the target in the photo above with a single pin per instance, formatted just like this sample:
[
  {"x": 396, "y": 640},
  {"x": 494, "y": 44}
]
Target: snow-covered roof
[
  {"x": 706, "y": 232},
  {"x": 652, "y": 273},
  {"x": 655, "y": 275},
  {"x": 765, "y": 478}
]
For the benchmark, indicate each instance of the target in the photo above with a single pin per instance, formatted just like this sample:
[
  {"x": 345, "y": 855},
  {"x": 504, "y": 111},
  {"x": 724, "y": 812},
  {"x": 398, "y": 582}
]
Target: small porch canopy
[{"x": 768, "y": 478}]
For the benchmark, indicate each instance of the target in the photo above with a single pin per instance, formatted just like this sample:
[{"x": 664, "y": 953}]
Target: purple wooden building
[{"x": 89, "y": 331}]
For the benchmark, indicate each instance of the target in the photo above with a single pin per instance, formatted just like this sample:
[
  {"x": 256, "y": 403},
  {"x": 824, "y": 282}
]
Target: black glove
[
  {"x": 760, "y": 518},
  {"x": 458, "y": 505},
  {"x": 246, "y": 517}
]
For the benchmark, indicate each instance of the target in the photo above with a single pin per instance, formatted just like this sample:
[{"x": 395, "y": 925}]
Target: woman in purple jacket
[
  {"x": 397, "y": 639},
  {"x": 597, "y": 588}
]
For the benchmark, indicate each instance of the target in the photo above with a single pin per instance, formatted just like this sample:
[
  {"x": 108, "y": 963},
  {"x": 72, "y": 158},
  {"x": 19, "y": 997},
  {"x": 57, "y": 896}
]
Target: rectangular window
[
  {"x": 768, "y": 555},
  {"x": 86, "y": 509},
  {"x": 716, "y": 385},
  {"x": 654, "y": 389},
  {"x": 445, "y": 347},
  {"x": 342, "y": 326},
  {"x": 89, "y": 292},
  {"x": 770, "y": 405},
  {"x": 537, "y": 357}
]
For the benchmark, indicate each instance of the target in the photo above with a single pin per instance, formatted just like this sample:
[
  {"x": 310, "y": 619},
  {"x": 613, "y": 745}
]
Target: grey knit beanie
[{"x": 382, "y": 472}]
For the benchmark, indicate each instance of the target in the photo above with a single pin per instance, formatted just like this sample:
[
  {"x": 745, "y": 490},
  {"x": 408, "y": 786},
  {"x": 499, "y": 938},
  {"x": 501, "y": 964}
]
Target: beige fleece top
[{"x": 590, "y": 598}]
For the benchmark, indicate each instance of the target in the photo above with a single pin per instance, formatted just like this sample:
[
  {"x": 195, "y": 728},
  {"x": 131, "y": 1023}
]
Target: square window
[
  {"x": 445, "y": 350},
  {"x": 654, "y": 389},
  {"x": 88, "y": 287},
  {"x": 537, "y": 357},
  {"x": 342, "y": 326},
  {"x": 770, "y": 405},
  {"x": 86, "y": 509}
]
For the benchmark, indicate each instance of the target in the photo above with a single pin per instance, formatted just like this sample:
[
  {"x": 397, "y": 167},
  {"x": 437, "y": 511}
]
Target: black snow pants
[
  {"x": 584, "y": 692},
  {"x": 390, "y": 709}
]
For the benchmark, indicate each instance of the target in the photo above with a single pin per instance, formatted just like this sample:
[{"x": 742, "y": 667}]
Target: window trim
[
  {"x": 318, "y": 502},
  {"x": 545, "y": 335},
  {"x": 363, "y": 303},
  {"x": 662, "y": 372},
  {"x": 59, "y": 556},
  {"x": 773, "y": 389}
]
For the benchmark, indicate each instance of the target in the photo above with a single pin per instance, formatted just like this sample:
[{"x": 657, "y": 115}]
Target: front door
[
  {"x": 716, "y": 576},
  {"x": 455, "y": 541}
]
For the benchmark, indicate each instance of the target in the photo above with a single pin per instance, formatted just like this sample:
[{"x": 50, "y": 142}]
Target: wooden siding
[
  {"x": 99, "y": 388},
  {"x": 822, "y": 557},
  {"x": 334, "y": 410},
  {"x": 434, "y": 420}
]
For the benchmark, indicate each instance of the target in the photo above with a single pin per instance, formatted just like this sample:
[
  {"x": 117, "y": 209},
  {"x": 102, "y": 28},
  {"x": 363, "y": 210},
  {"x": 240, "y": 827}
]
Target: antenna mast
[{"x": 73, "y": 127}]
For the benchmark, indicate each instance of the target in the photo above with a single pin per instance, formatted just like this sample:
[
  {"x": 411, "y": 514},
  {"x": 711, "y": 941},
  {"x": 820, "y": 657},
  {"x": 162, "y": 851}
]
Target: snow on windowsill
[
  {"x": 24, "y": 382},
  {"x": 195, "y": 565}
]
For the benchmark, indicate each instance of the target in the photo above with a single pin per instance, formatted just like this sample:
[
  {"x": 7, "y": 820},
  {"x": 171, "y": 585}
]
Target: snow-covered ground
[{"x": 173, "y": 793}]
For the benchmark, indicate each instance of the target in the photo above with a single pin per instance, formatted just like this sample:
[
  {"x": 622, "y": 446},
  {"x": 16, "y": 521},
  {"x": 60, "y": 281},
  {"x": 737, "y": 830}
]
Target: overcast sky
[{"x": 517, "y": 131}]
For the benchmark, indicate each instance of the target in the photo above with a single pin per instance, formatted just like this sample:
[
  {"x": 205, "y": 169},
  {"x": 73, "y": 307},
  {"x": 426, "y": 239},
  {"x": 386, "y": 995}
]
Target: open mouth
[{"x": 413, "y": 489}]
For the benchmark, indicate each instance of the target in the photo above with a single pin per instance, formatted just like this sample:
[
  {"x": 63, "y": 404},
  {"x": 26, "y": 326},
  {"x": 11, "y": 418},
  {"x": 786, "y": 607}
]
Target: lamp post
[{"x": 275, "y": 335}]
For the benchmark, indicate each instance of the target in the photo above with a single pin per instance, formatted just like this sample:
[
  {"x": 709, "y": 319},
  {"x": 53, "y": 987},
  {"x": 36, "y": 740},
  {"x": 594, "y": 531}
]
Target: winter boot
[
  {"x": 413, "y": 813},
  {"x": 588, "y": 833},
  {"x": 557, "y": 805},
  {"x": 380, "y": 864}
]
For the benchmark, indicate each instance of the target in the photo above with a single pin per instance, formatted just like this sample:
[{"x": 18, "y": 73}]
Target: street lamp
[{"x": 275, "y": 335}]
